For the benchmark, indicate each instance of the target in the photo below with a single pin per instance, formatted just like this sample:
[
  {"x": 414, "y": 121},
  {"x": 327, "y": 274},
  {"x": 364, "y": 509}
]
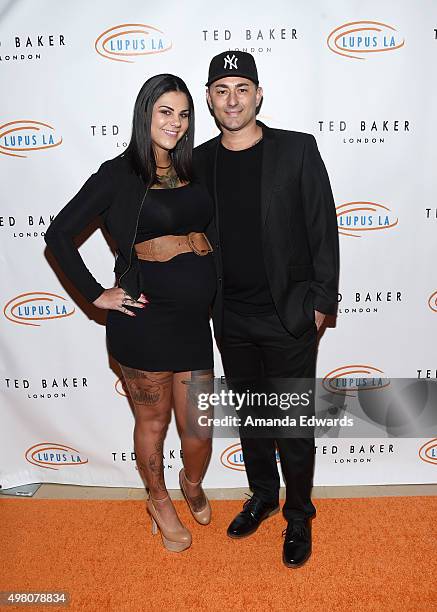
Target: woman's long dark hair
[{"x": 140, "y": 148}]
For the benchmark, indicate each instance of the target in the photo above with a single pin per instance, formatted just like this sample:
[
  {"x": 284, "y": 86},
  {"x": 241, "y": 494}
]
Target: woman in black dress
[{"x": 158, "y": 313}]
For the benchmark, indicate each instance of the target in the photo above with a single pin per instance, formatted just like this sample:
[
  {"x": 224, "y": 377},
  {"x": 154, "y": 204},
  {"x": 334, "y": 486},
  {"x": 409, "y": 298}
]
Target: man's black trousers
[{"x": 253, "y": 347}]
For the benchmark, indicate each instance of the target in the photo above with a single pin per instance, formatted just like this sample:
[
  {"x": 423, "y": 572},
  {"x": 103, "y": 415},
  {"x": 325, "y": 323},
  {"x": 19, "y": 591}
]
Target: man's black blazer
[{"x": 299, "y": 236}]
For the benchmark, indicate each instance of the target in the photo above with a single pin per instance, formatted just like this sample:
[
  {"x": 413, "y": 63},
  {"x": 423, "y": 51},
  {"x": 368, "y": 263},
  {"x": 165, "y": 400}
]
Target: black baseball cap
[{"x": 232, "y": 63}]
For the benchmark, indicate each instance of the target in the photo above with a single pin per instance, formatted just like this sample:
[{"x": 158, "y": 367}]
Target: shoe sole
[
  {"x": 174, "y": 546},
  {"x": 295, "y": 565},
  {"x": 247, "y": 535}
]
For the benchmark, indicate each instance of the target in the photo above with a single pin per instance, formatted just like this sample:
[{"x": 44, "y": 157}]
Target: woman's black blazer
[{"x": 115, "y": 193}]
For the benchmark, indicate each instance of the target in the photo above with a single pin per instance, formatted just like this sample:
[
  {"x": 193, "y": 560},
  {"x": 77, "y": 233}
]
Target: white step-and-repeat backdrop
[{"x": 359, "y": 76}]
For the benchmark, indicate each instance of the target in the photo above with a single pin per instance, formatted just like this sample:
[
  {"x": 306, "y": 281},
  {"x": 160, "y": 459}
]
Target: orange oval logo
[
  {"x": 232, "y": 458},
  {"x": 360, "y": 39},
  {"x": 432, "y": 302},
  {"x": 120, "y": 387},
  {"x": 428, "y": 452},
  {"x": 129, "y": 41},
  {"x": 52, "y": 456},
  {"x": 19, "y": 138},
  {"x": 37, "y": 306},
  {"x": 349, "y": 379},
  {"x": 356, "y": 218}
]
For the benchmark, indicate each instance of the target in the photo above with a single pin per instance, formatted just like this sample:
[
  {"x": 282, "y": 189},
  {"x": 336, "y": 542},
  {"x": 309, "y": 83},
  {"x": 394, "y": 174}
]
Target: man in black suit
[{"x": 276, "y": 250}]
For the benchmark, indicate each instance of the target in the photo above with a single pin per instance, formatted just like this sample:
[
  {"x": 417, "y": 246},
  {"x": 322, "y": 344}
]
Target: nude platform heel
[
  {"x": 173, "y": 540},
  {"x": 202, "y": 516}
]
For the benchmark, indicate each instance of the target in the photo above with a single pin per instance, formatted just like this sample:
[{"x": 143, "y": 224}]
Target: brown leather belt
[{"x": 165, "y": 248}]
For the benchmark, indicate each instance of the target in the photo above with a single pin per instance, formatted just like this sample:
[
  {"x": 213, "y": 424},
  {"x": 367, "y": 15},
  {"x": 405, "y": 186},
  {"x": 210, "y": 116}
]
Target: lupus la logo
[
  {"x": 432, "y": 301},
  {"x": 232, "y": 458},
  {"x": 28, "y": 308},
  {"x": 349, "y": 379},
  {"x": 357, "y": 218},
  {"x": 428, "y": 452},
  {"x": 129, "y": 41},
  {"x": 360, "y": 39},
  {"x": 21, "y": 137},
  {"x": 52, "y": 456}
]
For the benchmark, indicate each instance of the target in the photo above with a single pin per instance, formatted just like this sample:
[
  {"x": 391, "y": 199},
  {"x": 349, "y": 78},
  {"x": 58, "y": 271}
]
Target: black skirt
[{"x": 172, "y": 333}]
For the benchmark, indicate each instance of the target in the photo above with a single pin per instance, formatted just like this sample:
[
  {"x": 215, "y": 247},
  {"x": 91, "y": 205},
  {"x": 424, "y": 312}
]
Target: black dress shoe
[
  {"x": 255, "y": 510},
  {"x": 297, "y": 543}
]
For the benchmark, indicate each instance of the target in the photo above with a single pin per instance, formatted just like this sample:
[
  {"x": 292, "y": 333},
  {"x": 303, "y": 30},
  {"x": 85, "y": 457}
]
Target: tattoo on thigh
[
  {"x": 147, "y": 387},
  {"x": 201, "y": 382},
  {"x": 199, "y": 376}
]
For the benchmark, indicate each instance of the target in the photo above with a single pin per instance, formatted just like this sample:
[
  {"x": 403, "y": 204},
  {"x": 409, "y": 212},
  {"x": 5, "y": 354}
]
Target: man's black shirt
[{"x": 246, "y": 288}]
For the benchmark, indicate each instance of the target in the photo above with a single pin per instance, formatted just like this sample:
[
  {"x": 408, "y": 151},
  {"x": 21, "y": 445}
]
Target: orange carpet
[{"x": 368, "y": 554}]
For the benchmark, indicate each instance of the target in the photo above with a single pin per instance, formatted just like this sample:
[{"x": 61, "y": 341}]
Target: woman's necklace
[{"x": 168, "y": 181}]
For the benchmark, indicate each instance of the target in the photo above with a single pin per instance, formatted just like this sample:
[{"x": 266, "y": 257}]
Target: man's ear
[
  {"x": 208, "y": 99},
  {"x": 259, "y": 95}
]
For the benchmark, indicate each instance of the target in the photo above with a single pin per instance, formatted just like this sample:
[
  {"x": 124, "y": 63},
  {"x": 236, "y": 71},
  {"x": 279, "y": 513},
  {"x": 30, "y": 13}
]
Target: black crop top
[{"x": 174, "y": 211}]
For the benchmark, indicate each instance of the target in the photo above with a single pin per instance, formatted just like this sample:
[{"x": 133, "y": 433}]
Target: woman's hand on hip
[{"x": 117, "y": 299}]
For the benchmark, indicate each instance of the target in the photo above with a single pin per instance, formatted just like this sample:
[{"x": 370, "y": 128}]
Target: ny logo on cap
[{"x": 230, "y": 62}]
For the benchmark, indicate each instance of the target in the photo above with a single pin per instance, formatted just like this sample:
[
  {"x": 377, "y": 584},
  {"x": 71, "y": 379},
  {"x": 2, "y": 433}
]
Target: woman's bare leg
[
  {"x": 195, "y": 439},
  {"x": 151, "y": 394}
]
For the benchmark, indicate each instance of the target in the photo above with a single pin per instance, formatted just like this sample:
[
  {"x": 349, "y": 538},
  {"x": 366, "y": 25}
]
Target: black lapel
[
  {"x": 212, "y": 177},
  {"x": 269, "y": 163}
]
